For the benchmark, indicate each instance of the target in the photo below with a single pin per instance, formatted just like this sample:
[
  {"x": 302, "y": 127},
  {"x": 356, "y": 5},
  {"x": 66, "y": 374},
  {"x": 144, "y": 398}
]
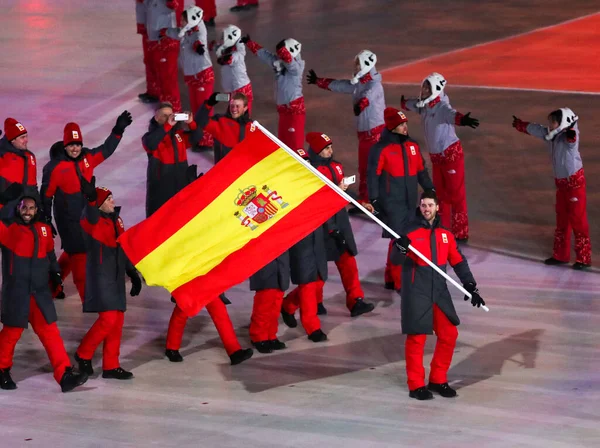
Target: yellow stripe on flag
[{"x": 216, "y": 232}]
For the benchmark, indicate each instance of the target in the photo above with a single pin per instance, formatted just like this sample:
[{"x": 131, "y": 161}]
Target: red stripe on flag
[
  {"x": 260, "y": 251},
  {"x": 144, "y": 237}
]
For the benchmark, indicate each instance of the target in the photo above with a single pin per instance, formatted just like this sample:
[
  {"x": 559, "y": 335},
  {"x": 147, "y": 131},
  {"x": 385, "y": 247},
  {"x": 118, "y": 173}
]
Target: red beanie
[
  {"x": 317, "y": 141},
  {"x": 13, "y": 129},
  {"x": 393, "y": 117},
  {"x": 72, "y": 134},
  {"x": 102, "y": 193}
]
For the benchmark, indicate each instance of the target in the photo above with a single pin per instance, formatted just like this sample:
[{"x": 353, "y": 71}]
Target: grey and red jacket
[
  {"x": 438, "y": 119},
  {"x": 106, "y": 263},
  {"x": 395, "y": 170},
  {"x": 160, "y": 16},
  {"x": 166, "y": 147},
  {"x": 226, "y": 130},
  {"x": 28, "y": 258},
  {"x": 190, "y": 62},
  {"x": 234, "y": 74},
  {"x": 17, "y": 166},
  {"x": 367, "y": 94},
  {"x": 288, "y": 78},
  {"x": 61, "y": 189},
  {"x": 422, "y": 287},
  {"x": 275, "y": 275},
  {"x": 334, "y": 171},
  {"x": 564, "y": 152},
  {"x": 308, "y": 259}
]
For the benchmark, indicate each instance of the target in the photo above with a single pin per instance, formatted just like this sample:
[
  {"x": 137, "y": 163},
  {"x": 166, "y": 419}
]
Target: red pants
[
  {"x": 49, "y": 337},
  {"x": 442, "y": 356},
  {"x": 366, "y": 139},
  {"x": 75, "y": 263},
  {"x": 291, "y": 129},
  {"x": 151, "y": 75},
  {"x": 209, "y": 9},
  {"x": 165, "y": 61},
  {"x": 246, "y": 90},
  {"x": 108, "y": 329},
  {"x": 218, "y": 313},
  {"x": 449, "y": 182},
  {"x": 571, "y": 214},
  {"x": 305, "y": 298},
  {"x": 349, "y": 274},
  {"x": 393, "y": 272},
  {"x": 201, "y": 87},
  {"x": 265, "y": 315}
]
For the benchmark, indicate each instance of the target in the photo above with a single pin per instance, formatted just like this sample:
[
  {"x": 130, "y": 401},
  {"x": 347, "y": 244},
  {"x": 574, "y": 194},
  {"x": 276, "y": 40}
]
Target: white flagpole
[{"x": 347, "y": 197}]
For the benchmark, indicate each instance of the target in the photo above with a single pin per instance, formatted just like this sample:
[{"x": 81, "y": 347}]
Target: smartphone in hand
[
  {"x": 223, "y": 97},
  {"x": 350, "y": 180},
  {"x": 181, "y": 117}
]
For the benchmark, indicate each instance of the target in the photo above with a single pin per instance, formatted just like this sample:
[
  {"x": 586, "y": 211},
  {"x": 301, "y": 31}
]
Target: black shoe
[
  {"x": 201, "y": 148},
  {"x": 321, "y": 310},
  {"x": 237, "y": 8},
  {"x": 276, "y": 344},
  {"x": 60, "y": 295},
  {"x": 240, "y": 356},
  {"x": 554, "y": 262},
  {"x": 174, "y": 355},
  {"x": 117, "y": 374},
  {"x": 462, "y": 240},
  {"x": 389, "y": 285},
  {"x": 263, "y": 346},
  {"x": 210, "y": 22},
  {"x": 146, "y": 98},
  {"x": 173, "y": 300},
  {"x": 361, "y": 307},
  {"x": 581, "y": 266},
  {"x": 85, "y": 365},
  {"x": 443, "y": 389},
  {"x": 252, "y": 5},
  {"x": 70, "y": 380},
  {"x": 6, "y": 381},
  {"x": 224, "y": 299},
  {"x": 317, "y": 336},
  {"x": 421, "y": 394},
  {"x": 289, "y": 319}
]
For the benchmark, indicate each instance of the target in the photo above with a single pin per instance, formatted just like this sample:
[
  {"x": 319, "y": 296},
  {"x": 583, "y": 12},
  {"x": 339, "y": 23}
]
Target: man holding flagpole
[{"x": 426, "y": 303}]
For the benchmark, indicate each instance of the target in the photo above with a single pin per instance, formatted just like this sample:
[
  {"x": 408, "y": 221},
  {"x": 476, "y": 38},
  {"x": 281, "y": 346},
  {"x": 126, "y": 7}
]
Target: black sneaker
[
  {"x": 321, "y": 310},
  {"x": 389, "y": 285},
  {"x": 173, "y": 300},
  {"x": 174, "y": 355},
  {"x": 60, "y": 295},
  {"x": 462, "y": 240},
  {"x": 238, "y": 8},
  {"x": 554, "y": 262},
  {"x": 210, "y": 22},
  {"x": 6, "y": 381},
  {"x": 224, "y": 299},
  {"x": 289, "y": 319},
  {"x": 240, "y": 356},
  {"x": 263, "y": 346},
  {"x": 421, "y": 394},
  {"x": 443, "y": 389},
  {"x": 85, "y": 365},
  {"x": 70, "y": 380},
  {"x": 117, "y": 374},
  {"x": 317, "y": 336},
  {"x": 146, "y": 98},
  {"x": 361, "y": 307},
  {"x": 276, "y": 344},
  {"x": 581, "y": 266}
]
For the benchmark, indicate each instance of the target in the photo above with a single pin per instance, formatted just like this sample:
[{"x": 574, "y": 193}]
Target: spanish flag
[{"x": 248, "y": 209}]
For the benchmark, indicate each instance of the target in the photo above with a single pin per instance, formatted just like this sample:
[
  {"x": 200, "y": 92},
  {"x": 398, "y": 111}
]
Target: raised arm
[{"x": 106, "y": 149}]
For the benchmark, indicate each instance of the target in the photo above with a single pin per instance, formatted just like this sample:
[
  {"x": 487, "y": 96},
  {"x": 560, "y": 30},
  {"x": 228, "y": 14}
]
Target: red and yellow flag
[{"x": 243, "y": 213}]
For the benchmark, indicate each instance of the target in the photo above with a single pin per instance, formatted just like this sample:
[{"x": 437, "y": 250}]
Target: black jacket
[{"x": 275, "y": 275}]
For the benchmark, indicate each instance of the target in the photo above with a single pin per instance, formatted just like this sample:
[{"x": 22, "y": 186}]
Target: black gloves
[
  {"x": 340, "y": 241},
  {"x": 55, "y": 281},
  {"x": 311, "y": 77},
  {"x": 136, "y": 283},
  {"x": 190, "y": 173},
  {"x": 212, "y": 100},
  {"x": 402, "y": 244},
  {"x": 89, "y": 189},
  {"x": 123, "y": 121},
  {"x": 476, "y": 299},
  {"x": 466, "y": 120},
  {"x": 200, "y": 49},
  {"x": 376, "y": 205},
  {"x": 357, "y": 110},
  {"x": 245, "y": 39},
  {"x": 12, "y": 192}
]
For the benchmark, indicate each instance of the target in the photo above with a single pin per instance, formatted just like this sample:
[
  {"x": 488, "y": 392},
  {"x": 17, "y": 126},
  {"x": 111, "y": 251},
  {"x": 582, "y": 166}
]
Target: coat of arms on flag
[{"x": 258, "y": 207}]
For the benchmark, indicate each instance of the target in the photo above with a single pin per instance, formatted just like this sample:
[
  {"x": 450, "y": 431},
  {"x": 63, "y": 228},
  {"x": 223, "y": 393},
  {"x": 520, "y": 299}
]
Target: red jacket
[{"x": 17, "y": 166}]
